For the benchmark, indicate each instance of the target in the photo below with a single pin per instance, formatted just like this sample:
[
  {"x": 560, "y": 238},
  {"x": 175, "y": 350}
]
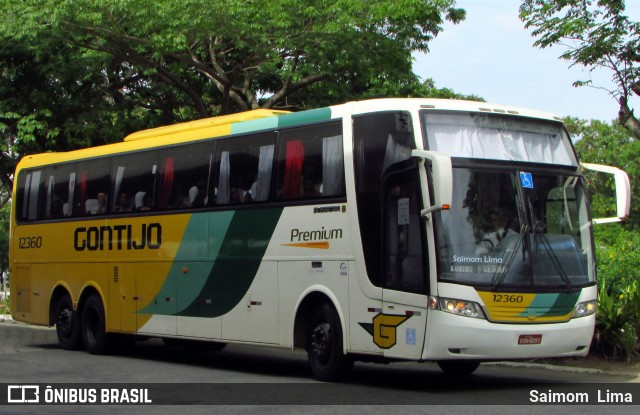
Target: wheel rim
[
  {"x": 64, "y": 323},
  {"x": 321, "y": 342}
]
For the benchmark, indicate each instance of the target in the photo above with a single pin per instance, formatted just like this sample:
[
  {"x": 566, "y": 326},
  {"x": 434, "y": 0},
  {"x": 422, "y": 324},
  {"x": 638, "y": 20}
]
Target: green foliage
[
  {"x": 78, "y": 74},
  {"x": 618, "y": 321},
  {"x": 613, "y": 145},
  {"x": 241, "y": 54},
  {"x": 596, "y": 34},
  {"x": 5, "y": 306}
]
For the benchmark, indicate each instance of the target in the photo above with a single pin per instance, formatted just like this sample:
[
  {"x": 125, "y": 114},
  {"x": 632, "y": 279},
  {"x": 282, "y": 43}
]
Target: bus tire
[
  {"x": 94, "y": 333},
  {"x": 324, "y": 345},
  {"x": 67, "y": 324},
  {"x": 458, "y": 367}
]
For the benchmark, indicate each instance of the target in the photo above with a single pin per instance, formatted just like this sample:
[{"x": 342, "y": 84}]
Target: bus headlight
[
  {"x": 584, "y": 309},
  {"x": 457, "y": 307}
]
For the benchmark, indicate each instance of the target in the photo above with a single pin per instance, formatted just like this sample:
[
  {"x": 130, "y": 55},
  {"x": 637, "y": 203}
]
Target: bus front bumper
[{"x": 458, "y": 337}]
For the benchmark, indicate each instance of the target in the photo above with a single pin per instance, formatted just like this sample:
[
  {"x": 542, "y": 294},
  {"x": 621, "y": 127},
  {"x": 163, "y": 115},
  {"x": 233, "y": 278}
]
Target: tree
[
  {"x": 254, "y": 53},
  {"x": 79, "y": 74},
  {"x": 610, "y": 144},
  {"x": 597, "y": 34}
]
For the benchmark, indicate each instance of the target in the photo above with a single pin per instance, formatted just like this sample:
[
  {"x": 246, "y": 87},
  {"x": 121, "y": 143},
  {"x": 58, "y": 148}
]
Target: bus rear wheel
[
  {"x": 67, "y": 324},
  {"x": 94, "y": 333},
  {"x": 458, "y": 367},
  {"x": 324, "y": 346}
]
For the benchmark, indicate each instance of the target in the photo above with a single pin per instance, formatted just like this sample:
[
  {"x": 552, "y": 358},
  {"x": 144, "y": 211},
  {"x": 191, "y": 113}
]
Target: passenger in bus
[
  {"x": 98, "y": 205},
  {"x": 239, "y": 195},
  {"x": 496, "y": 232},
  {"x": 123, "y": 204},
  {"x": 310, "y": 189},
  {"x": 147, "y": 203},
  {"x": 198, "y": 194},
  {"x": 102, "y": 203}
]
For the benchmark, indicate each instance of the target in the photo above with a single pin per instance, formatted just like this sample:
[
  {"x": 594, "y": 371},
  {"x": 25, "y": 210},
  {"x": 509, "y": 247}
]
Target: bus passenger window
[
  {"x": 135, "y": 175},
  {"x": 243, "y": 169},
  {"x": 184, "y": 179},
  {"x": 91, "y": 194},
  {"x": 59, "y": 189},
  {"x": 310, "y": 162}
]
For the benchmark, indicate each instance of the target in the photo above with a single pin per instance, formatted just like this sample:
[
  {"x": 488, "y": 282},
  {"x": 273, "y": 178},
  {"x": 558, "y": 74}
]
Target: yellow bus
[{"x": 381, "y": 230}]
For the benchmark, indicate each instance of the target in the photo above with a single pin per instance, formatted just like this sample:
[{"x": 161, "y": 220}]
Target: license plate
[{"x": 530, "y": 339}]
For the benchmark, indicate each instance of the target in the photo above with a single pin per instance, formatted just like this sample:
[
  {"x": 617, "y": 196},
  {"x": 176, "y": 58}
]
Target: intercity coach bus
[{"x": 381, "y": 230}]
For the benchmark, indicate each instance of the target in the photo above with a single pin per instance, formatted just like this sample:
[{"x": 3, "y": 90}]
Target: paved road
[{"x": 268, "y": 378}]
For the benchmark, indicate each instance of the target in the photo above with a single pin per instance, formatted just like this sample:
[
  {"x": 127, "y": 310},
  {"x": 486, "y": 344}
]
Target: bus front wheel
[
  {"x": 324, "y": 345},
  {"x": 458, "y": 367},
  {"x": 93, "y": 325},
  {"x": 67, "y": 324}
]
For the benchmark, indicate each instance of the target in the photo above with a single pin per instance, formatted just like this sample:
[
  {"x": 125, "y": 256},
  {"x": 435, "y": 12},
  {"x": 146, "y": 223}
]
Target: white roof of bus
[{"x": 444, "y": 104}]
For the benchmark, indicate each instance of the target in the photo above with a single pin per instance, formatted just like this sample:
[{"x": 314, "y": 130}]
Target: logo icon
[
  {"x": 23, "y": 394},
  {"x": 384, "y": 329}
]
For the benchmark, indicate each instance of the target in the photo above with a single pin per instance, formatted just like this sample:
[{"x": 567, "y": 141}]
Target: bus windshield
[
  {"x": 516, "y": 229},
  {"x": 510, "y": 228}
]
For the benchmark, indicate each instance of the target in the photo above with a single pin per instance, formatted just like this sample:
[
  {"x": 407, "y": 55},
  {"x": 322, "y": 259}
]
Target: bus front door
[{"x": 402, "y": 323}]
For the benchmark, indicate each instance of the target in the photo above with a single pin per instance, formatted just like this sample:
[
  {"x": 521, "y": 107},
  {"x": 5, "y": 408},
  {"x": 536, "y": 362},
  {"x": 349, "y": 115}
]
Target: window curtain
[
  {"x": 497, "y": 144},
  {"x": 263, "y": 182},
  {"x": 224, "y": 192},
  {"x": 118, "y": 183},
  {"x": 72, "y": 190},
  {"x": 83, "y": 192},
  {"x": 52, "y": 182},
  {"x": 167, "y": 182},
  {"x": 293, "y": 170},
  {"x": 332, "y": 168}
]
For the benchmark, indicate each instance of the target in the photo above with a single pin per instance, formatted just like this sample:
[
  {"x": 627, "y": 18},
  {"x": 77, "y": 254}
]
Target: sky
[{"x": 491, "y": 54}]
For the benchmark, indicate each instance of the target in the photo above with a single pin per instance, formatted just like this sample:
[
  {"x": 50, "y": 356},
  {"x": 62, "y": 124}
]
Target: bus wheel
[
  {"x": 324, "y": 346},
  {"x": 458, "y": 367},
  {"x": 67, "y": 324},
  {"x": 94, "y": 331}
]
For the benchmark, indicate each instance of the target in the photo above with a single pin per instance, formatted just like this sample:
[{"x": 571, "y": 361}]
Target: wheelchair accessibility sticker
[{"x": 526, "y": 179}]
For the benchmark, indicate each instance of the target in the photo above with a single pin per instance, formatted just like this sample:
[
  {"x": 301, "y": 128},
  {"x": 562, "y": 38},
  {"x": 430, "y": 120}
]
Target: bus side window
[
  {"x": 310, "y": 162},
  {"x": 243, "y": 169},
  {"x": 91, "y": 193},
  {"x": 184, "y": 178},
  {"x": 134, "y": 182},
  {"x": 29, "y": 191},
  {"x": 59, "y": 189},
  {"x": 381, "y": 140}
]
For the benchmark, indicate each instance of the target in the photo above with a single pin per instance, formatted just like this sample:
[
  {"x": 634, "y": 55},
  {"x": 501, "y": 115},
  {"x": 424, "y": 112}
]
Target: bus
[{"x": 381, "y": 230}]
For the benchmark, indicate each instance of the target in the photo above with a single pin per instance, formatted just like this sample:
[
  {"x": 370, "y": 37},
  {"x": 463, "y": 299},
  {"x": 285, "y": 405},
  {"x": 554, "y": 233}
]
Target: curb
[{"x": 564, "y": 368}]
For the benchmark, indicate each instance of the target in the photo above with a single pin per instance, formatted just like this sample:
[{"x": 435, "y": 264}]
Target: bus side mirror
[
  {"x": 442, "y": 180},
  {"x": 623, "y": 191}
]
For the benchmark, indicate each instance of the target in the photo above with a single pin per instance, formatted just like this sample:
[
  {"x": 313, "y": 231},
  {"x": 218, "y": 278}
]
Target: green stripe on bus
[
  {"x": 564, "y": 304},
  {"x": 194, "y": 253},
  {"x": 254, "y": 125},
  {"x": 237, "y": 263},
  {"x": 549, "y": 305},
  {"x": 304, "y": 117}
]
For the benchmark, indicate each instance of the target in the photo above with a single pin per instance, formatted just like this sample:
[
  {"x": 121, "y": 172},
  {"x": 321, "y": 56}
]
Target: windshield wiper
[
  {"x": 538, "y": 232},
  {"x": 554, "y": 260}
]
